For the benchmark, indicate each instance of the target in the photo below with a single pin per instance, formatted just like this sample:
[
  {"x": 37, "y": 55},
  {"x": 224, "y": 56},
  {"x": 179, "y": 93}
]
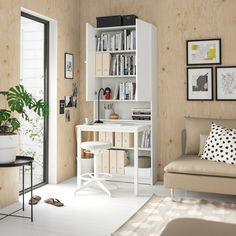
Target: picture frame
[
  {"x": 68, "y": 101},
  {"x": 69, "y": 66},
  {"x": 200, "y": 83},
  {"x": 203, "y": 52},
  {"x": 67, "y": 115},
  {"x": 225, "y": 83}
]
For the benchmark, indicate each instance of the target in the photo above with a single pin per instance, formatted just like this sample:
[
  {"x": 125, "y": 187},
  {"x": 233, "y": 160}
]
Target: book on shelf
[
  {"x": 99, "y": 66},
  {"x": 106, "y": 62},
  {"x": 146, "y": 139},
  {"x": 116, "y": 41},
  {"x": 124, "y": 91},
  {"x": 123, "y": 65}
]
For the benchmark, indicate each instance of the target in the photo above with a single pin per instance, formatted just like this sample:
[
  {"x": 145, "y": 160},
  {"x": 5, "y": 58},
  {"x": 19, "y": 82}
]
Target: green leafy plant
[{"x": 19, "y": 101}]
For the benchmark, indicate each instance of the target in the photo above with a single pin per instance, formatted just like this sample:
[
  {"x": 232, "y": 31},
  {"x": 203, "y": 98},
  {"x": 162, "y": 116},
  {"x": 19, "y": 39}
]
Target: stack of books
[
  {"x": 123, "y": 65},
  {"x": 125, "y": 91},
  {"x": 129, "y": 39},
  {"x": 116, "y": 41},
  {"x": 146, "y": 139},
  {"x": 141, "y": 114}
]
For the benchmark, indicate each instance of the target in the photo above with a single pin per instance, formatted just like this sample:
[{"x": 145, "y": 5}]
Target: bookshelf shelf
[
  {"x": 145, "y": 149},
  {"x": 139, "y": 59}
]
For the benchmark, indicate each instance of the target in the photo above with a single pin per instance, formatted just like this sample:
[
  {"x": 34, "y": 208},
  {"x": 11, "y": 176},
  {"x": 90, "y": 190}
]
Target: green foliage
[{"x": 18, "y": 100}]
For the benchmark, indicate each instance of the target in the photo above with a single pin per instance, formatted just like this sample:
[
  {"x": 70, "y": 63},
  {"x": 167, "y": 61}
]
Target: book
[
  {"x": 113, "y": 164},
  {"x": 122, "y": 161},
  {"x": 98, "y": 66},
  {"x": 125, "y": 39},
  {"x": 105, "y": 161},
  {"x": 128, "y": 140},
  {"x": 98, "y": 44},
  {"x": 110, "y": 137},
  {"x": 116, "y": 91},
  {"x": 118, "y": 139},
  {"x": 106, "y": 63}
]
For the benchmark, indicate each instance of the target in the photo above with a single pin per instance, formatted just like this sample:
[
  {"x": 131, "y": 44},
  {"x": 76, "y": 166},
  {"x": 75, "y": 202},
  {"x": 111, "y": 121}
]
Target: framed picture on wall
[
  {"x": 69, "y": 66},
  {"x": 203, "y": 52},
  {"x": 226, "y": 83},
  {"x": 199, "y": 83}
]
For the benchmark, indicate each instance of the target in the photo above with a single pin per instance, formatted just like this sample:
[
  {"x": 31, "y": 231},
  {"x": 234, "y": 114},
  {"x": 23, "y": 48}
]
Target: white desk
[{"x": 111, "y": 127}]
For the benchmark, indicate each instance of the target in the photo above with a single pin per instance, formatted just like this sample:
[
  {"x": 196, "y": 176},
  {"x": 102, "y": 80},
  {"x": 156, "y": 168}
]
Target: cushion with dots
[{"x": 220, "y": 145}]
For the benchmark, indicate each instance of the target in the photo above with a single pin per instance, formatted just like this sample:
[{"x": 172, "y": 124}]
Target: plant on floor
[{"x": 19, "y": 101}]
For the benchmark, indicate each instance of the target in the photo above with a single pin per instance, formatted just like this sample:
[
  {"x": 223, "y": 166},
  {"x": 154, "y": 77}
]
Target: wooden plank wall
[{"x": 176, "y": 21}]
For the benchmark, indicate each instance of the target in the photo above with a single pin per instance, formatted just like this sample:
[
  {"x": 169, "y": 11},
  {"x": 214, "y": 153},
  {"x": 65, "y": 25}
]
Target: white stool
[{"x": 96, "y": 148}]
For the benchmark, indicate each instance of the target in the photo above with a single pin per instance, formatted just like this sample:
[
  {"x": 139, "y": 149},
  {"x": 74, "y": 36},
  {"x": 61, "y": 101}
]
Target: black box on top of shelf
[
  {"x": 129, "y": 19},
  {"x": 109, "y": 21}
]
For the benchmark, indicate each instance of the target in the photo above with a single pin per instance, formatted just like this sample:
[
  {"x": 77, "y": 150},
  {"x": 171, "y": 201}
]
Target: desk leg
[
  {"x": 23, "y": 188},
  {"x": 31, "y": 189},
  {"x": 136, "y": 163}
]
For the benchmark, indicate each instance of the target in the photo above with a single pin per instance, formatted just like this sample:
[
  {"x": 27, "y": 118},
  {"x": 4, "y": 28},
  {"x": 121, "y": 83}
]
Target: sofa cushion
[
  {"x": 220, "y": 145},
  {"x": 196, "y": 126},
  {"x": 203, "y": 140},
  {"x": 192, "y": 164}
]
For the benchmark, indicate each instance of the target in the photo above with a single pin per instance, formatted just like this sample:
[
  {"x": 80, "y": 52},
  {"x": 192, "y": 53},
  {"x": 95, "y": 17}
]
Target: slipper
[
  {"x": 35, "y": 199},
  {"x": 54, "y": 202}
]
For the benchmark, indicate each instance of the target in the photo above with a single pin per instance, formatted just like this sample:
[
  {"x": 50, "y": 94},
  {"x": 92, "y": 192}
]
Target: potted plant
[{"x": 19, "y": 101}]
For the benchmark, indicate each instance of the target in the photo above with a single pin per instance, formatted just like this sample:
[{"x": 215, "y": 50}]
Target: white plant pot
[
  {"x": 86, "y": 165},
  {"x": 8, "y": 144}
]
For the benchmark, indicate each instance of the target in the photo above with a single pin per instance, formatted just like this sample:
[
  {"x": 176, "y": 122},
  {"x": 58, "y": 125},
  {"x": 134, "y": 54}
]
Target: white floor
[{"x": 89, "y": 214}]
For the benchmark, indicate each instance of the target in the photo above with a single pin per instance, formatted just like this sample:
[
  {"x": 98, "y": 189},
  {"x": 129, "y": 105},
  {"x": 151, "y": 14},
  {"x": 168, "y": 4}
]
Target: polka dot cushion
[{"x": 220, "y": 145}]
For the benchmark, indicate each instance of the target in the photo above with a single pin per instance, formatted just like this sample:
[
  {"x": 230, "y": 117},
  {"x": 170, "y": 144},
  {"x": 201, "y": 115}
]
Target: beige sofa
[{"x": 190, "y": 172}]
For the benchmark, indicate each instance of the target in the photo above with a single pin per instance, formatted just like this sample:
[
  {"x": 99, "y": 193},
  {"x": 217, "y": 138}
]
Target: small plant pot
[
  {"x": 8, "y": 145},
  {"x": 86, "y": 165}
]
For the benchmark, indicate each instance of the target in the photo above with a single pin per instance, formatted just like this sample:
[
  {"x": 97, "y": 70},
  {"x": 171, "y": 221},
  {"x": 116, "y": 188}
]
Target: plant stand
[{"x": 21, "y": 161}]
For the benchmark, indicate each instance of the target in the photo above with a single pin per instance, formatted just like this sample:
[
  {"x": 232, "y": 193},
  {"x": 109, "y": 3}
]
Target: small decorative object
[
  {"x": 204, "y": 52},
  {"x": 67, "y": 116},
  {"x": 107, "y": 93},
  {"x": 226, "y": 83},
  {"x": 114, "y": 116},
  {"x": 18, "y": 101},
  {"x": 108, "y": 110},
  {"x": 62, "y": 107},
  {"x": 69, "y": 66},
  {"x": 68, "y": 101},
  {"x": 74, "y": 90},
  {"x": 199, "y": 83},
  {"x": 89, "y": 121}
]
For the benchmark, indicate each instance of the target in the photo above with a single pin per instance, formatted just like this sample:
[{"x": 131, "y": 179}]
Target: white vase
[{"x": 8, "y": 144}]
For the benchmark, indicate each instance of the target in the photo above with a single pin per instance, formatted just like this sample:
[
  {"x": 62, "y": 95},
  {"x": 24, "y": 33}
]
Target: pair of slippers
[{"x": 52, "y": 201}]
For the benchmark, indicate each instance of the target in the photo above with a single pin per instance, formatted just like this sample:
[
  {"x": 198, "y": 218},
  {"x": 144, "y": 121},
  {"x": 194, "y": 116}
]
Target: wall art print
[
  {"x": 226, "y": 83},
  {"x": 199, "y": 83},
  {"x": 69, "y": 66},
  {"x": 203, "y": 52}
]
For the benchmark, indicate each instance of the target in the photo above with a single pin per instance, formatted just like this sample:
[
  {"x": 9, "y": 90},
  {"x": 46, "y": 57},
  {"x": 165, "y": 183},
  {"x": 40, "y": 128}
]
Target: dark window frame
[{"x": 46, "y": 96}]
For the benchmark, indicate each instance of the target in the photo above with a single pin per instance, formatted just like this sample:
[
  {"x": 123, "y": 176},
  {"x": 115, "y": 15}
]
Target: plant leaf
[{"x": 15, "y": 124}]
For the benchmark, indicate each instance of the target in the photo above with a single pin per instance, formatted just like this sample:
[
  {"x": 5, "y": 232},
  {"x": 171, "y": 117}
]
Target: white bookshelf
[{"x": 145, "y": 79}]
